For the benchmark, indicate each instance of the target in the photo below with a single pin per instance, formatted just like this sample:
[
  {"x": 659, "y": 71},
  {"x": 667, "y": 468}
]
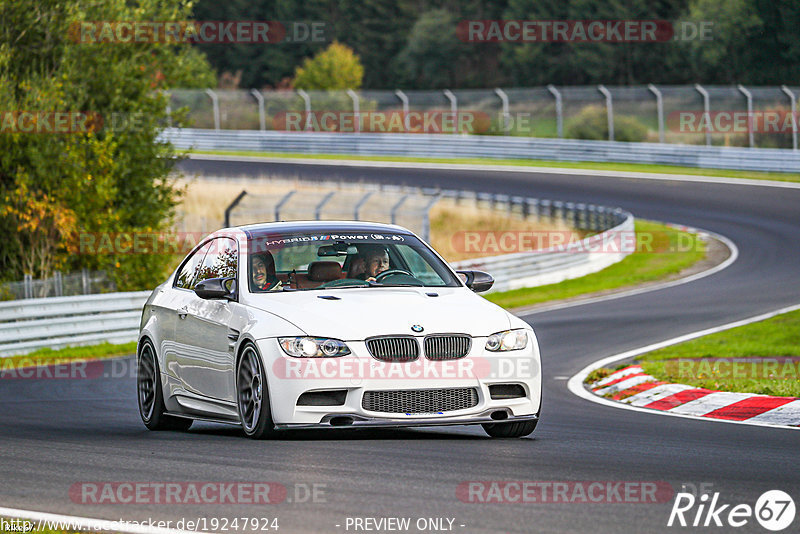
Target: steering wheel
[{"x": 392, "y": 272}]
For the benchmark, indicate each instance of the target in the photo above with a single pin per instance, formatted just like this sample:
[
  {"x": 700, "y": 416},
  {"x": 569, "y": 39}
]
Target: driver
[
  {"x": 262, "y": 269},
  {"x": 375, "y": 260}
]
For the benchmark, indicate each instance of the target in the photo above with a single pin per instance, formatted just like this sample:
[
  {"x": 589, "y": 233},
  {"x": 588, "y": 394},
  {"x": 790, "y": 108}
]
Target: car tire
[
  {"x": 252, "y": 395},
  {"x": 151, "y": 395},
  {"x": 510, "y": 430}
]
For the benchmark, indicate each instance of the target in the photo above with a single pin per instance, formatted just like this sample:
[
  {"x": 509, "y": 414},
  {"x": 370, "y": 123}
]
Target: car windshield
[{"x": 316, "y": 260}]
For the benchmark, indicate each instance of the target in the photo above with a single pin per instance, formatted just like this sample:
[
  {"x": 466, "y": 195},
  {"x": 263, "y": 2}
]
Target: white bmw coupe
[{"x": 298, "y": 325}]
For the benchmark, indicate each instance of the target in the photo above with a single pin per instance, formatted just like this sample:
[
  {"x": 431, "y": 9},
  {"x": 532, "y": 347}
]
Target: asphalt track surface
[{"x": 56, "y": 433}]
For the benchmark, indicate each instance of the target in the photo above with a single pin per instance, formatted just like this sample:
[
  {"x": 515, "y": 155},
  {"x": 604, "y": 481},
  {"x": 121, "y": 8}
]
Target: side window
[
  {"x": 221, "y": 261},
  {"x": 186, "y": 277}
]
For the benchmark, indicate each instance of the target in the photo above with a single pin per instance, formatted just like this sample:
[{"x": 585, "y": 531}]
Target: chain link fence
[
  {"x": 740, "y": 116},
  {"x": 59, "y": 285}
]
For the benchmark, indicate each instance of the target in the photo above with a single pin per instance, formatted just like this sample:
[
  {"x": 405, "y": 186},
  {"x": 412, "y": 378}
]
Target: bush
[
  {"x": 592, "y": 123},
  {"x": 336, "y": 67}
]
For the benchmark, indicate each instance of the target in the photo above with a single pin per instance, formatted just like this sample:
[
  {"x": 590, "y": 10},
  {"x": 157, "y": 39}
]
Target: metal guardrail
[
  {"x": 497, "y": 147},
  {"x": 27, "y": 325}
]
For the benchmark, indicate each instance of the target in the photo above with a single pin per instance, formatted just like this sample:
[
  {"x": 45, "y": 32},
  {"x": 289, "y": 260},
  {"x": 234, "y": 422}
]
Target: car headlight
[
  {"x": 313, "y": 347},
  {"x": 508, "y": 340}
]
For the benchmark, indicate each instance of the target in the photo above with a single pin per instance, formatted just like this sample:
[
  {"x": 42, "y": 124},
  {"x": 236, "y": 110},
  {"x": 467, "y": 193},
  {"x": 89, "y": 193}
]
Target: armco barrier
[
  {"x": 57, "y": 322},
  {"x": 498, "y": 147}
]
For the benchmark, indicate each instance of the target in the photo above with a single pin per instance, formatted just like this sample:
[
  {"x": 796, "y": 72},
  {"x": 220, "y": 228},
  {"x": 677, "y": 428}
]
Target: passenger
[
  {"x": 262, "y": 271},
  {"x": 375, "y": 260}
]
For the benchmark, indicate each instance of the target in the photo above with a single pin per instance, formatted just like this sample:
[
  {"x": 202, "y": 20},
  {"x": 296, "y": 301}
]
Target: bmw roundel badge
[{"x": 417, "y": 328}]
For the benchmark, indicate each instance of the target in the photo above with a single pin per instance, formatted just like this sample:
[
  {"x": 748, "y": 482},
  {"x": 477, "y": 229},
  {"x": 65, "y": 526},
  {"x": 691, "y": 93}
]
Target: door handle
[{"x": 182, "y": 312}]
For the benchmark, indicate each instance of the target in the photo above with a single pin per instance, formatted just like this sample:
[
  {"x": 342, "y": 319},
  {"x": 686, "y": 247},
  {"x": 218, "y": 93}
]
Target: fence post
[
  {"x": 397, "y": 207},
  {"x": 356, "y": 116},
  {"x": 280, "y": 204},
  {"x": 215, "y": 106},
  {"x": 318, "y": 209},
  {"x": 58, "y": 284},
  {"x": 262, "y": 116},
  {"x": 27, "y": 283},
  {"x": 749, "y": 96},
  {"x": 504, "y": 100},
  {"x": 231, "y": 207},
  {"x": 793, "y": 102},
  {"x": 453, "y": 108},
  {"x": 360, "y": 203},
  {"x": 85, "y": 281},
  {"x": 559, "y": 110},
  {"x": 660, "y": 110},
  {"x": 706, "y": 112},
  {"x": 307, "y": 103},
  {"x": 609, "y": 110},
  {"x": 404, "y": 99},
  {"x": 168, "y": 108},
  {"x": 426, "y": 218}
]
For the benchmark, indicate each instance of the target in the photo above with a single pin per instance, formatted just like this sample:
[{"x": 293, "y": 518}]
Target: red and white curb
[
  {"x": 679, "y": 400},
  {"x": 634, "y": 387}
]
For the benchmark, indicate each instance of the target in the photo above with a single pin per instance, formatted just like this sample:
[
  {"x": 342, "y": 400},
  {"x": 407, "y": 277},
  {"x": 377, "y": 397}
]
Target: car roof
[{"x": 252, "y": 230}]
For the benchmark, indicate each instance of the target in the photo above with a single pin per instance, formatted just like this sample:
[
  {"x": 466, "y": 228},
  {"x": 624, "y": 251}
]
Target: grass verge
[
  {"x": 661, "y": 251},
  {"x": 584, "y": 165},
  {"x": 69, "y": 354},
  {"x": 762, "y": 357}
]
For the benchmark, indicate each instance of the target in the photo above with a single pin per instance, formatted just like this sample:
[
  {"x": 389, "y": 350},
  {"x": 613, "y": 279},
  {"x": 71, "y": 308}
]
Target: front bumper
[{"x": 521, "y": 367}]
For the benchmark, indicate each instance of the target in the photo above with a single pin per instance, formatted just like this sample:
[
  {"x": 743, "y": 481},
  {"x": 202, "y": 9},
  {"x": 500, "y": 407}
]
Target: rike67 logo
[{"x": 774, "y": 510}]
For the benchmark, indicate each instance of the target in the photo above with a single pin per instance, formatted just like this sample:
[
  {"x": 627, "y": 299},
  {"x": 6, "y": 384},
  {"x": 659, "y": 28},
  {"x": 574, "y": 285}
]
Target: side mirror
[
  {"x": 216, "y": 288},
  {"x": 477, "y": 281}
]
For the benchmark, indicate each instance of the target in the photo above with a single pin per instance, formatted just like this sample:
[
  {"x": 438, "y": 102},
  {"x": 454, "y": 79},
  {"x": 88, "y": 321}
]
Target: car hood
[{"x": 359, "y": 313}]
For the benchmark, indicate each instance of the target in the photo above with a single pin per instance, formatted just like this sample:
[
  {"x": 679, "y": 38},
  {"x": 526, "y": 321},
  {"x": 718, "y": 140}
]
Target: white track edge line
[
  {"x": 575, "y": 384},
  {"x": 88, "y": 523},
  {"x": 502, "y": 168},
  {"x": 655, "y": 287}
]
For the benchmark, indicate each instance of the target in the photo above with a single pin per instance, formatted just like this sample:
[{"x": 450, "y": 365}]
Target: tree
[
  {"x": 109, "y": 175},
  {"x": 337, "y": 67}
]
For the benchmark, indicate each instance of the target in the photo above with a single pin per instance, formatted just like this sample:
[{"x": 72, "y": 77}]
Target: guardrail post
[
  {"x": 506, "y": 115},
  {"x": 397, "y": 207},
  {"x": 262, "y": 116},
  {"x": 356, "y": 116},
  {"x": 404, "y": 100},
  {"x": 360, "y": 203},
  {"x": 280, "y": 204},
  {"x": 706, "y": 112},
  {"x": 609, "y": 110},
  {"x": 231, "y": 207},
  {"x": 793, "y": 102},
  {"x": 559, "y": 110},
  {"x": 453, "y": 108},
  {"x": 307, "y": 103},
  {"x": 215, "y": 107},
  {"x": 659, "y": 110},
  {"x": 749, "y": 96},
  {"x": 318, "y": 209}
]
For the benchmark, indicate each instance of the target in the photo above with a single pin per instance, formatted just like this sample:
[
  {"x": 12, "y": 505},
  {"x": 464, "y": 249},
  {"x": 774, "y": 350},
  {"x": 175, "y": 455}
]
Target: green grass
[
  {"x": 68, "y": 354},
  {"x": 777, "y": 337},
  {"x": 599, "y": 166},
  {"x": 641, "y": 266}
]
